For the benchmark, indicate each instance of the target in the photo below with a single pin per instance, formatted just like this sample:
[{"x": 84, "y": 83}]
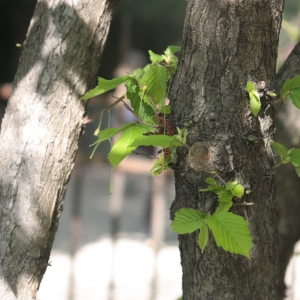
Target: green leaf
[
  {"x": 230, "y": 185},
  {"x": 154, "y": 57},
  {"x": 170, "y": 58},
  {"x": 225, "y": 196},
  {"x": 165, "y": 109},
  {"x": 215, "y": 189},
  {"x": 290, "y": 84},
  {"x": 255, "y": 104},
  {"x": 231, "y": 232},
  {"x": 187, "y": 220},
  {"x": 297, "y": 169},
  {"x": 137, "y": 74},
  {"x": 122, "y": 147},
  {"x": 238, "y": 191},
  {"x": 224, "y": 206},
  {"x": 104, "y": 86},
  {"x": 159, "y": 166},
  {"x": 250, "y": 86},
  {"x": 203, "y": 236},
  {"x": 280, "y": 150},
  {"x": 295, "y": 97},
  {"x": 155, "y": 81},
  {"x": 157, "y": 140},
  {"x": 295, "y": 157},
  {"x": 210, "y": 181},
  {"x": 285, "y": 95},
  {"x": 110, "y": 132},
  {"x": 147, "y": 67},
  {"x": 142, "y": 109},
  {"x": 174, "y": 49},
  {"x": 286, "y": 160}
]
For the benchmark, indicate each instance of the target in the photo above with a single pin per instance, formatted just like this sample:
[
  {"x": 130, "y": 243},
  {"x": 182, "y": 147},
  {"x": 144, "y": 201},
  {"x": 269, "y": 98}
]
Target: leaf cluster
[
  {"x": 255, "y": 104},
  {"x": 146, "y": 89},
  {"x": 163, "y": 162},
  {"x": 291, "y": 91},
  {"x": 287, "y": 155},
  {"x": 230, "y": 231},
  {"x": 225, "y": 194}
]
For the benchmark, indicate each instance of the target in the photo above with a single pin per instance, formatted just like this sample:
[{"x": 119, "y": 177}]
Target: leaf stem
[
  {"x": 220, "y": 178},
  {"x": 144, "y": 154},
  {"x": 130, "y": 109},
  {"x": 275, "y": 167},
  {"x": 92, "y": 118},
  {"x": 244, "y": 203}
]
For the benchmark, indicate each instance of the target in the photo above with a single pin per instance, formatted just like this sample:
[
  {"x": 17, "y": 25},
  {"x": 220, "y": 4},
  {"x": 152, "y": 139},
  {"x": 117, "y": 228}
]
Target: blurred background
[{"x": 120, "y": 246}]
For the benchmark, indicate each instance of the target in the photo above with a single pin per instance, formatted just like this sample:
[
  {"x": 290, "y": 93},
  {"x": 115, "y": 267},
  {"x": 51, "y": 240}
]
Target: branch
[{"x": 94, "y": 117}]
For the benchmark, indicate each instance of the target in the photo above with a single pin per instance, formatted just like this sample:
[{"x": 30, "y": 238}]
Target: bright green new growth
[
  {"x": 295, "y": 157},
  {"x": 255, "y": 103},
  {"x": 158, "y": 140},
  {"x": 225, "y": 194},
  {"x": 146, "y": 89},
  {"x": 203, "y": 236},
  {"x": 291, "y": 90},
  {"x": 287, "y": 155},
  {"x": 250, "y": 86},
  {"x": 163, "y": 163},
  {"x": 281, "y": 151},
  {"x": 123, "y": 147},
  {"x": 187, "y": 220},
  {"x": 154, "y": 84},
  {"x": 230, "y": 231},
  {"x": 104, "y": 86}
]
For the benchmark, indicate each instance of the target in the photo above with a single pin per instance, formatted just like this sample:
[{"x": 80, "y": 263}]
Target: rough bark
[
  {"x": 226, "y": 44},
  {"x": 287, "y": 181},
  {"x": 40, "y": 130}
]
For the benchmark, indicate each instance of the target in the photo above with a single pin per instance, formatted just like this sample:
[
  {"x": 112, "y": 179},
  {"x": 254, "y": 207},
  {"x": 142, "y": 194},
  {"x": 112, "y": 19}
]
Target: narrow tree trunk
[
  {"x": 287, "y": 181},
  {"x": 225, "y": 45},
  {"x": 40, "y": 130}
]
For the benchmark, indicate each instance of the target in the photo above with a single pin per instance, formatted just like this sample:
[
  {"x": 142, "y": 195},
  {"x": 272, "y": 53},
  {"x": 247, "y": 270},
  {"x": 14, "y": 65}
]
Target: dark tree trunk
[
  {"x": 40, "y": 130},
  {"x": 287, "y": 181},
  {"x": 225, "y": 45}
]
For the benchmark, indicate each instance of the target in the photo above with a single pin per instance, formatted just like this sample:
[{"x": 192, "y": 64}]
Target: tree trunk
[
  {"x": 225, "y": 45},
  {"x": 287, "y": 181},
  {"x": 40, "y": 130}
]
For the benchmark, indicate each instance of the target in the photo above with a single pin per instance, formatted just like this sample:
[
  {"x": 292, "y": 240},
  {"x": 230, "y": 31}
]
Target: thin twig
[
  {"x": 244, "y": 203},
  {"x": 144, "y": 154},
  {"x": 130, "y": 109},
  {"x": 275, "y": 167},
  {"x": 215, "y": 174},
  {"x": 219, "y": 177},
  {"x": 92, "y": 118},
  {"x": 168, "y": 66}
]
